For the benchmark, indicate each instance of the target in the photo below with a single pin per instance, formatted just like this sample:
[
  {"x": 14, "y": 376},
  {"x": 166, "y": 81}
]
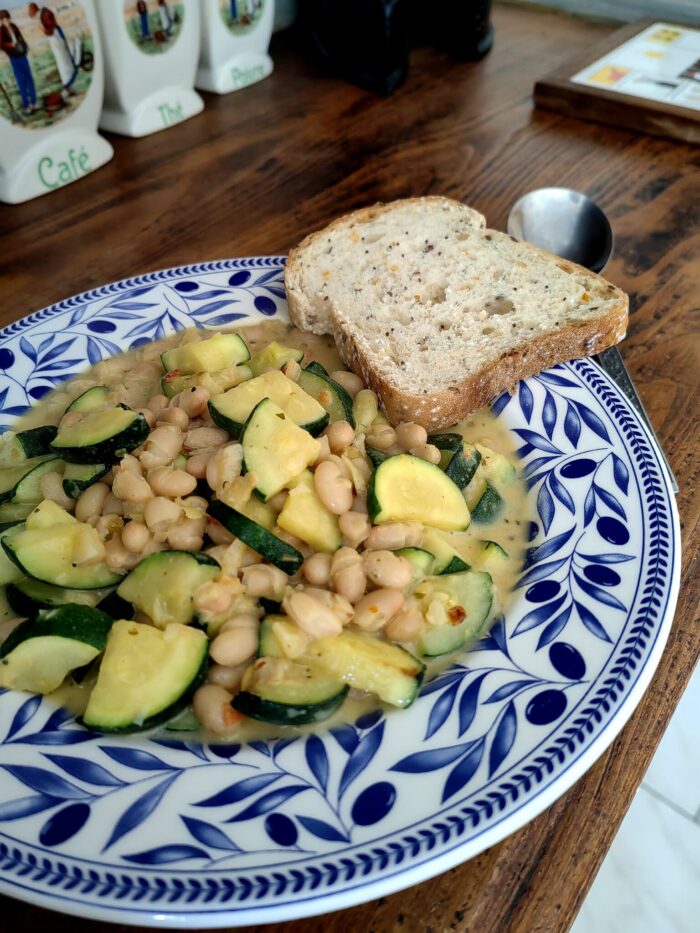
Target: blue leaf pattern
[
  {"x": 545, "y": 507},
  {"x": 572, "y": 425},
  {"x": 463, "y": 772},
  {"x": 140, "y": 810},
  {"x": 209, "y": 835},
  {"x": 621, "y": 474},
  {"x": 268, "y": 802},
  {"x": 239, "y": 791},
  {"x": 468, "y": 703},
  {"x": 361, "y": 757},
  {"x": 441, "y": 710},
  {"x": 503, "y": 739},
  {"x": 591, "y": 623},
  {"x": 135, "y": 758},
  {"x": 317, "y": 759},
  {"x": 23, "y": 715},
  {"x": 85, "y": 770},
  {"x": 164, "y": 855},
  {"x": 526, "y": 400},
  {"x": 46, "y": 782},
  {"x": 321, "y": 829}
]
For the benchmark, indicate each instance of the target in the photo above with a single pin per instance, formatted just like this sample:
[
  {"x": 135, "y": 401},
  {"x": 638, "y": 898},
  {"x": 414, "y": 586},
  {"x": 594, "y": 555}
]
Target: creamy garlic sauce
[{"x": 135, "y": 378}]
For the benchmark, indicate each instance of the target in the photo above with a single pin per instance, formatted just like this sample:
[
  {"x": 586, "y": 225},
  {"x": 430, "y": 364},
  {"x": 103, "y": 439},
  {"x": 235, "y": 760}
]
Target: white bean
[
  {"x": 406, "y": 625},
  {"x": 175, "y": 416},
  {"x": 317, "y": 569},
  {"x": 354, "y": 527},
  {"x": 377, "y": 608},
  {"x": 187, "y": 534},
  {"x": 234, "y": 645},
  {"x": 165, "y": 481},
  {"x": 192, "y": 401},
  {"x": 394, "y": 535},
  {"x": 212, "y": 707},
  {"x": 161, "y": 513},
  {"x": 384, "y": 568},
  {"x": 348, "y": 577},
  {"x": 409, "y": 434},
  {"x": 312, "y": 616},
  {"x": 135, "y": 537},
  {"x": 130, "y": 486},
  {"x": 333, "y": 489},
  {"x": 198, "y": 438},
  {"x": 340, "y": 436},
  {"x": 264, "y": 580},
  {"x": 427, "y": 452},
  {"x": 227, "y": 677},
  {"x": 349, "y": 381},
  {"x": 89, "y": 503}
]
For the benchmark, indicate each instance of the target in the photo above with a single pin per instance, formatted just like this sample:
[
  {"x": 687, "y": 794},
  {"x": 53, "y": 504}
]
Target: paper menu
[{"x": 661, "y": 63}]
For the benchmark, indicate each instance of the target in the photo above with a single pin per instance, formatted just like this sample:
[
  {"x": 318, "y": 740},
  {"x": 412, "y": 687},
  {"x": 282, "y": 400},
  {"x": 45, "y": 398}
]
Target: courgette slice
[
  {"x": 22, "y": 483},
  {"x": 147, "y": 676},
  {"x": 489, "y": 506},
  {"x": 461, "y": 602},
  {"x": 210, "y": 355},
  {"x": 174, "y": 382},
  {"x": 230, "y": 410},
  {"x": 25, "y": 445},
  {"x": 268, "y": 545},
  {"x": 497, "y": 467},
  {"x": 162, "y": 585},
  {"x": 101, "y": 436},
  {"x": 367, "y": 663},
  {"x": 279, "y": 637},
  {"x": 421, "y": 561},
  {"x": 28, "y": 597},
  {"x": 306, "y": 517},
  {"x": 332, "y": 396},
  {"x": 275, "y": 449},
  {"x": 274, "y": 356},
  {"x": 288, "y": 693},
  {"x": 447, "y": 560},
  {"x": 11, "y": 513},
  {"x": 376, "y": 456},
  {"x": 406, "y": 488},
  {"x": 460, "y": 459},
  {"x": 491, "y": 555},
  {"x": 77, "y": 477},
  {"x": 47, "y": 554},
  {"x": 9, "y": 571},
  {"x": 90, "y": 400},
  {"x": 39, "y": 654}
]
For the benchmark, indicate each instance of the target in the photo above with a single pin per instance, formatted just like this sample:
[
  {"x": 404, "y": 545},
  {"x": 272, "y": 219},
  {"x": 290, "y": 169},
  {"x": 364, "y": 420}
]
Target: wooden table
[{"x": 260, "y": 169}]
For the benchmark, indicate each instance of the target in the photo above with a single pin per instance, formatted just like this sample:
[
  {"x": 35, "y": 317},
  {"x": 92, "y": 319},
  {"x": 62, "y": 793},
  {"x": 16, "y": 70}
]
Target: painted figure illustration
[
  {"x": 240, "y": 15},
  {"x": 153, "y": 26},
  {"x": 48, "y": 58}
]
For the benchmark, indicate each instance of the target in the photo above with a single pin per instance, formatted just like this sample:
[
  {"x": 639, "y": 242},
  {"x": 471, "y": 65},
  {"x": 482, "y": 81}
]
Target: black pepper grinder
[{"x": 362, "y": 41}]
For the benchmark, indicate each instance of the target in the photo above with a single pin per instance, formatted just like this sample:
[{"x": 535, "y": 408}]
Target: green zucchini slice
[
  {"x": 367, "y": 663},
  {"x": 13, "y": 512},
  {"x": 274, "y": 356},
  {"x": 489, "y": 506},
  {"x": 210, "y": 355},
  {"x": 174, "y": 382},
  {"x": 230, "y": 410},
  {"x": 459, "y": 459},
  {"x": 406, "y": 488},
  {"x": 39, "y": 654},
  {"x": 298, "y": 693},
  {"x": 447, "y": 560},
  {"x": 376, "y": 456},
  {"x": 332, "y": 396},
  {"x": 90, "y": 400},
  {"x": 491, "y": 554},
  {"x": 36, "y": 442},
  {"x": 268, "y": 545},
  {"x": 305, "y": 516},
  {"x": 22, "y": 483},
  {"x": 46, "y": 554},
  {"x": 77, "y": 477},
  {"x": 9, "y": 571},
  {"x": 101, "y": 436},
  {"x": 497, "y": 467},
  {"x": 28, "y": 597},
  {"x": 147, "y": 676},
  {"x": 275, "y": 448},
  {"x": 464, "y": 599},
  {"x": 162, "y": 585},
  {"x": 421, "y": 560}
]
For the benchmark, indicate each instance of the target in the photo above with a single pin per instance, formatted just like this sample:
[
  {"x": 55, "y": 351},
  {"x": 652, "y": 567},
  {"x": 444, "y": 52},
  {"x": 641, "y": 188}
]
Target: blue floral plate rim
[{"x": 594, "y": 476}]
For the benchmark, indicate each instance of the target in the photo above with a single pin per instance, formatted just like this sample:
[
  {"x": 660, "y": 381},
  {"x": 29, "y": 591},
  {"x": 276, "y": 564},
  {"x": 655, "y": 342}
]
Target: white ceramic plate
[{"x": 174, "y": 833}]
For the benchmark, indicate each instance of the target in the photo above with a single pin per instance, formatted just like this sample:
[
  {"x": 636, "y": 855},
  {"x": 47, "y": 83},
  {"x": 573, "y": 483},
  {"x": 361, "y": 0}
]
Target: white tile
[
  {"x": 675, "y": 769},
  {"x": 650, "y": 879}
]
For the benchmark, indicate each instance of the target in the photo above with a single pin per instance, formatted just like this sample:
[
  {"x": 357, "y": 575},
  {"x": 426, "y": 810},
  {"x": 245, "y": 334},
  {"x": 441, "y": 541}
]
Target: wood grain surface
[{"x": 260, "y": 169}]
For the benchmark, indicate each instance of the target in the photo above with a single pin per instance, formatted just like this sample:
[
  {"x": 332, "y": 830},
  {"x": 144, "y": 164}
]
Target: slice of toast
[{"x": 438, "y": 314}]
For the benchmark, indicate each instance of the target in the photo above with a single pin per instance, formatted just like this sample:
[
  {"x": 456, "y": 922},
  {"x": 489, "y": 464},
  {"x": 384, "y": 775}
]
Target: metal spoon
[{"x": 571, "y": 225}]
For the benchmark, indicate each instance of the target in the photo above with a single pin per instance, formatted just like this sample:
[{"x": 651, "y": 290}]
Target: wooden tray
[{"x": 559, "y": 93}]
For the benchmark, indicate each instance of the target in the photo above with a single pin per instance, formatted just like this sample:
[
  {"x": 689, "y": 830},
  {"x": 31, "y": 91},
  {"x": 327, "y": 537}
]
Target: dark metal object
[{"x": 571, "y": 225}]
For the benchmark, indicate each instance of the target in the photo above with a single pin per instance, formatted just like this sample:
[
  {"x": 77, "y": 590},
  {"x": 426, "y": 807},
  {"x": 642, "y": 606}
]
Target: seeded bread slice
[{"x": 438, "y": 314}]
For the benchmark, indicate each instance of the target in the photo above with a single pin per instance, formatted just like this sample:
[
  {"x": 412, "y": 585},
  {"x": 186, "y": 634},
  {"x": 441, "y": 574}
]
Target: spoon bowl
[{"x": 566, "y": 223}]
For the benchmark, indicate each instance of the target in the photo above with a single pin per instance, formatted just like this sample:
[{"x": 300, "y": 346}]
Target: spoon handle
[{"x": 611, "y": 361}]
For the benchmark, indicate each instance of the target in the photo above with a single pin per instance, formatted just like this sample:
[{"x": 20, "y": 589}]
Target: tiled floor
[{"x": 650, "y": 879}]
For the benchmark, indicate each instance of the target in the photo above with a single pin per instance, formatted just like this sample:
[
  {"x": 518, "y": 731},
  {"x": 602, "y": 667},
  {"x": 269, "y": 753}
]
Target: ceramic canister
[
  {"x": 151, "y": 49},
  {"x": 51, "y": 82},
  {"x": 235, "y": 38}
]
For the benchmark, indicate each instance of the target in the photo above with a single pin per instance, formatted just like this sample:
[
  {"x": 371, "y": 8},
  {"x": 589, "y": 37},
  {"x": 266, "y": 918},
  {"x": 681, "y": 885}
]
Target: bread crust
[{"x": 448, "y": 406}]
